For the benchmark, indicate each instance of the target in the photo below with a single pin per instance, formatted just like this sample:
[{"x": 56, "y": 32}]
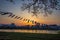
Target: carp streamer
[{"x": 17, "y": 17}]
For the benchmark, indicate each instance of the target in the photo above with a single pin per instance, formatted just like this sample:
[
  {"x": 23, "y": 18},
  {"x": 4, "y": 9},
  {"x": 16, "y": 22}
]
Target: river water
[{"x": 30, "y": 31}]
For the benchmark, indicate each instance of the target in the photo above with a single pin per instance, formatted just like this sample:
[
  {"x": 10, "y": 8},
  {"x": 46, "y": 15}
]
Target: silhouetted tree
[{"x": 34, "y": 6}]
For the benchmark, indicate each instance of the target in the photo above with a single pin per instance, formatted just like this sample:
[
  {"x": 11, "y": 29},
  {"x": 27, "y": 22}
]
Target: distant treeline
[{"x": 33, "y": 27}]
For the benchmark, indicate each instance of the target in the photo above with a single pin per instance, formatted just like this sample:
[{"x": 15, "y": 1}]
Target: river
[{"x": 30, "y": 31}]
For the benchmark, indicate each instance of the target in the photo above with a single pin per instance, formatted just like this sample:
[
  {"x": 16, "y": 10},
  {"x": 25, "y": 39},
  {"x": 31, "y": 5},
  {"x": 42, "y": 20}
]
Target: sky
[{"x": 15, "y": 8}]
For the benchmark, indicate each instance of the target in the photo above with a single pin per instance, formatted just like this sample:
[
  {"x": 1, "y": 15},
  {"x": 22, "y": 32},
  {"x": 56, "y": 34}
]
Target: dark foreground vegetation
[{"x": 28, "y": 36}]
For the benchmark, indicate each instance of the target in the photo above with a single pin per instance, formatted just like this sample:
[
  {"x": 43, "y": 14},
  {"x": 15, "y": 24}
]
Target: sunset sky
[{"x": 15, "y": 8}]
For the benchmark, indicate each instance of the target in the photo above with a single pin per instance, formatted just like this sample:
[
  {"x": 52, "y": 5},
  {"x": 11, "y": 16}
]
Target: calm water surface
[{"x": 30, "y": 31}]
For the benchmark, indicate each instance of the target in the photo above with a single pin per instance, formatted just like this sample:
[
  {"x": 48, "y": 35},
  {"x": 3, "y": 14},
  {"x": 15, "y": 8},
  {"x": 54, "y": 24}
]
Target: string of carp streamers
[{"x": 17, "y": 17}]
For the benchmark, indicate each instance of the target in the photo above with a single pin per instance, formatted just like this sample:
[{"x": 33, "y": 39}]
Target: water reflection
[{"x": 30, "y": 31}]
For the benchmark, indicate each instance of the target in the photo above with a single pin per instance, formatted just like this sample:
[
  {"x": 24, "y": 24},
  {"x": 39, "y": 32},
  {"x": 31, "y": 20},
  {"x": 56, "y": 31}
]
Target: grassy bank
[{"x": 28, "y": 36}]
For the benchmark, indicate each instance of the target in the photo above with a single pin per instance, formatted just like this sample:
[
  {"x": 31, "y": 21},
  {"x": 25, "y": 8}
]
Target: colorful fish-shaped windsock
[
  {"x": 28, "y": 20},
  {"x": 18, "y": 17},
  {"x": 10, "y": 14},
  {"x": 32, "y": 21},
  {"x": 21, "y": 18},
  {"x": 3, "y": 13}
]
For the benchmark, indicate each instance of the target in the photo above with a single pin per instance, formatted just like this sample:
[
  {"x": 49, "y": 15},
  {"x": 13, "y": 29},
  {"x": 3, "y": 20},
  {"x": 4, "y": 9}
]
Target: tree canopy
[{"x": 35, "y": 6}]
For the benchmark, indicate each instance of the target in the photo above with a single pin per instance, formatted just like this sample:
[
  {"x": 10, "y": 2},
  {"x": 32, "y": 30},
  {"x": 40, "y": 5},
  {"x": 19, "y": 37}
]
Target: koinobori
[{"x": 17, "y": 17}]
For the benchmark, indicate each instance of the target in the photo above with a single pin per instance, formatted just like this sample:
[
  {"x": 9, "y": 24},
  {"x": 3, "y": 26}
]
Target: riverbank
[{"x": 28, "y": 36}]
